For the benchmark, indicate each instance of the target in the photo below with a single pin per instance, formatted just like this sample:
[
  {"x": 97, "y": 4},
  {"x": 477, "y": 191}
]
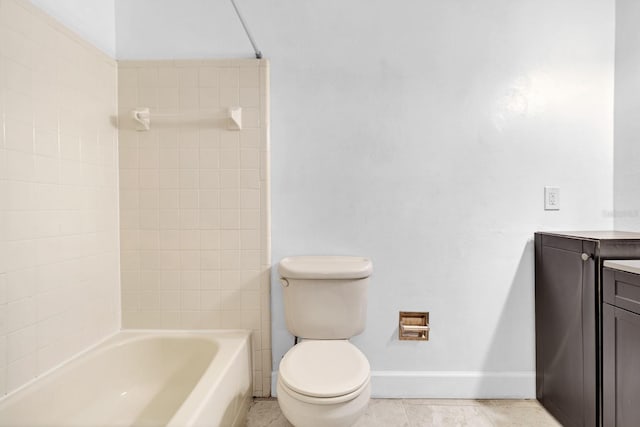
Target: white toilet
[{"x": 324, "y": 380}]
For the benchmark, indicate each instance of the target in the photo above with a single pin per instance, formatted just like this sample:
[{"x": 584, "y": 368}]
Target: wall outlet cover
[{"x": 551, "y": 198}]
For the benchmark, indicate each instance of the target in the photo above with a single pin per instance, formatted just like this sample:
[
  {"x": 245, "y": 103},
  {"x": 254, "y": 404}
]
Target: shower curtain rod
[{"x": 246, "y": 30}]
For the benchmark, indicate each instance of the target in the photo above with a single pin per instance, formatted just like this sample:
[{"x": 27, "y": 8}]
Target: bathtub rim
[
  {"x": 203, "y": 391},
  {"x": 195, "y": 399}
]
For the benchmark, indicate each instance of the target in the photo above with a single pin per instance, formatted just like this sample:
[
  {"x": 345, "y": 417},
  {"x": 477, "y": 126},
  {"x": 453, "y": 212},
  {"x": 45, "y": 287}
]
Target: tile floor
[{"x": 425, "y": 413}]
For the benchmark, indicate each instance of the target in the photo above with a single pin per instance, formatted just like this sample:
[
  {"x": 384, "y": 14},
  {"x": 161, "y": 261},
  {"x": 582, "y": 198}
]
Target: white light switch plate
[{"x": 551, "y": 198}]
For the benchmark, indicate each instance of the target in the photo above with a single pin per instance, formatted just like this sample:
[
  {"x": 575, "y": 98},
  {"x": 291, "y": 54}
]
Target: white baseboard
[
  {"x": 454, "y": 384},
  {"x": 448, "y": 384}
]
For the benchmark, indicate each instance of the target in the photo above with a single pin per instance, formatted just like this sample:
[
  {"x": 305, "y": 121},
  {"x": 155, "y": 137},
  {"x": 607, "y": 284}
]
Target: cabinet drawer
[{"x": 622, "y": 289}]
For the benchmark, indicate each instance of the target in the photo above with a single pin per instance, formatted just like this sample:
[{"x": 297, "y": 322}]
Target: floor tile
[
  {"x": 519, "y": 414},
  {"x": 266, "y": 413},
  {"x": 520, "y": 403},
  {"x": 384, "y": 413},
  {"x": 427, "y": 415},
  {"x": 444, "y": 402}
]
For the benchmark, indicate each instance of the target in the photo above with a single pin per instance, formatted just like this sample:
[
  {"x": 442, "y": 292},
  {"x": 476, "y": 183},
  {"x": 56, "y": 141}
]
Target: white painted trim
[
  {"x": 454, "y": 384},
  {"x": 448, "y": 384}
]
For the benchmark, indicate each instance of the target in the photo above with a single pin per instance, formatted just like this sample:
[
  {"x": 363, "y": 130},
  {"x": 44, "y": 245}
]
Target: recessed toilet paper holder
[{"x": 413, "y": 326}]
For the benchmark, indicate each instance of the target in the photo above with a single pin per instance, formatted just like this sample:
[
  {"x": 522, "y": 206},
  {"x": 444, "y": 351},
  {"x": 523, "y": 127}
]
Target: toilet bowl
[{"x": 324, "y": 383}]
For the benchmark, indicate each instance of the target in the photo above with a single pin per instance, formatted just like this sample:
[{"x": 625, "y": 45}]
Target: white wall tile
[
  {"x": 59, "y": 184},
  {"x": 21, "y": 371},
  {"x": 203, "y": 183},
  {"x": 167, "y": 77},
  {"x": 21, "y": 343},
  {"x": 208, "y": 77}
]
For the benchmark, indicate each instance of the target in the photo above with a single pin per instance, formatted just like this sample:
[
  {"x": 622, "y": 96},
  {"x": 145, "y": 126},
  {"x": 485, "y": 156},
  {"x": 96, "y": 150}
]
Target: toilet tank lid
[{"x": 325, "y": 267}]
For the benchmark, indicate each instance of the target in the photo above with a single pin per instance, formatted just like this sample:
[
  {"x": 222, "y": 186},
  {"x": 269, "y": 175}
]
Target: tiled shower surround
[
  {"x": 194, "y": 214},
  {"x": 59, "y": 285}
]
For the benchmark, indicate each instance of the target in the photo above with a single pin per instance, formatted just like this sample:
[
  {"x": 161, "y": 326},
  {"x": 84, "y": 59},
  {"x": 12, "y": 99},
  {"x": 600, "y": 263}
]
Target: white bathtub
[{"x": 143, "y": 378}]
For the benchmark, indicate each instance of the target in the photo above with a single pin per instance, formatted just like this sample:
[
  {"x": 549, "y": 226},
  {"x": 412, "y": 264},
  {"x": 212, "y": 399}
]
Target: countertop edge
[{"x": 629, "y": 265}]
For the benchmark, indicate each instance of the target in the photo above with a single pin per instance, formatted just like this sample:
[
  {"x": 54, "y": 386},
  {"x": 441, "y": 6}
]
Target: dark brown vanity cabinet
[
  {"x": 621, "y": 349},
  {"x": 568, "y": 307}
]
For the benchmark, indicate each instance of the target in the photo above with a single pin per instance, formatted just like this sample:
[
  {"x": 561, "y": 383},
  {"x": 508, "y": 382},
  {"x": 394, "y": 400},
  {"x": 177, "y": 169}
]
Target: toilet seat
[
  {"x": 324, "y": 371},
  {"x": 322, "y": 400}
]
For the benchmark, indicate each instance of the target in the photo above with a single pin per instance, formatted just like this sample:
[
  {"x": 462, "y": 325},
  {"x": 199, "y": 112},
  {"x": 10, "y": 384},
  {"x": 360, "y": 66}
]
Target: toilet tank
[{"x": 325, "y": 297}]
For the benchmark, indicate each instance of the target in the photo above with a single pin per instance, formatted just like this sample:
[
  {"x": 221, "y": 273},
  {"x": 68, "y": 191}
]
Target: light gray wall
[
  {"x": 94, "y": 20},
  {"x": 627, "y": 114},
  {"x": 185, "y": 29},
  {"x": 422, "y": 133}
]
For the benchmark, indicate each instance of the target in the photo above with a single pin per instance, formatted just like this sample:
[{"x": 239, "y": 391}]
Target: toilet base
[{"x": 303, "y": 414}]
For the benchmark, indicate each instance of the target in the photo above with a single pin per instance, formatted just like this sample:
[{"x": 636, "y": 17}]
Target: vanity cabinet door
[
  {"x": 621, "y": 367},
  {"x": 566, "y": 330}
]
